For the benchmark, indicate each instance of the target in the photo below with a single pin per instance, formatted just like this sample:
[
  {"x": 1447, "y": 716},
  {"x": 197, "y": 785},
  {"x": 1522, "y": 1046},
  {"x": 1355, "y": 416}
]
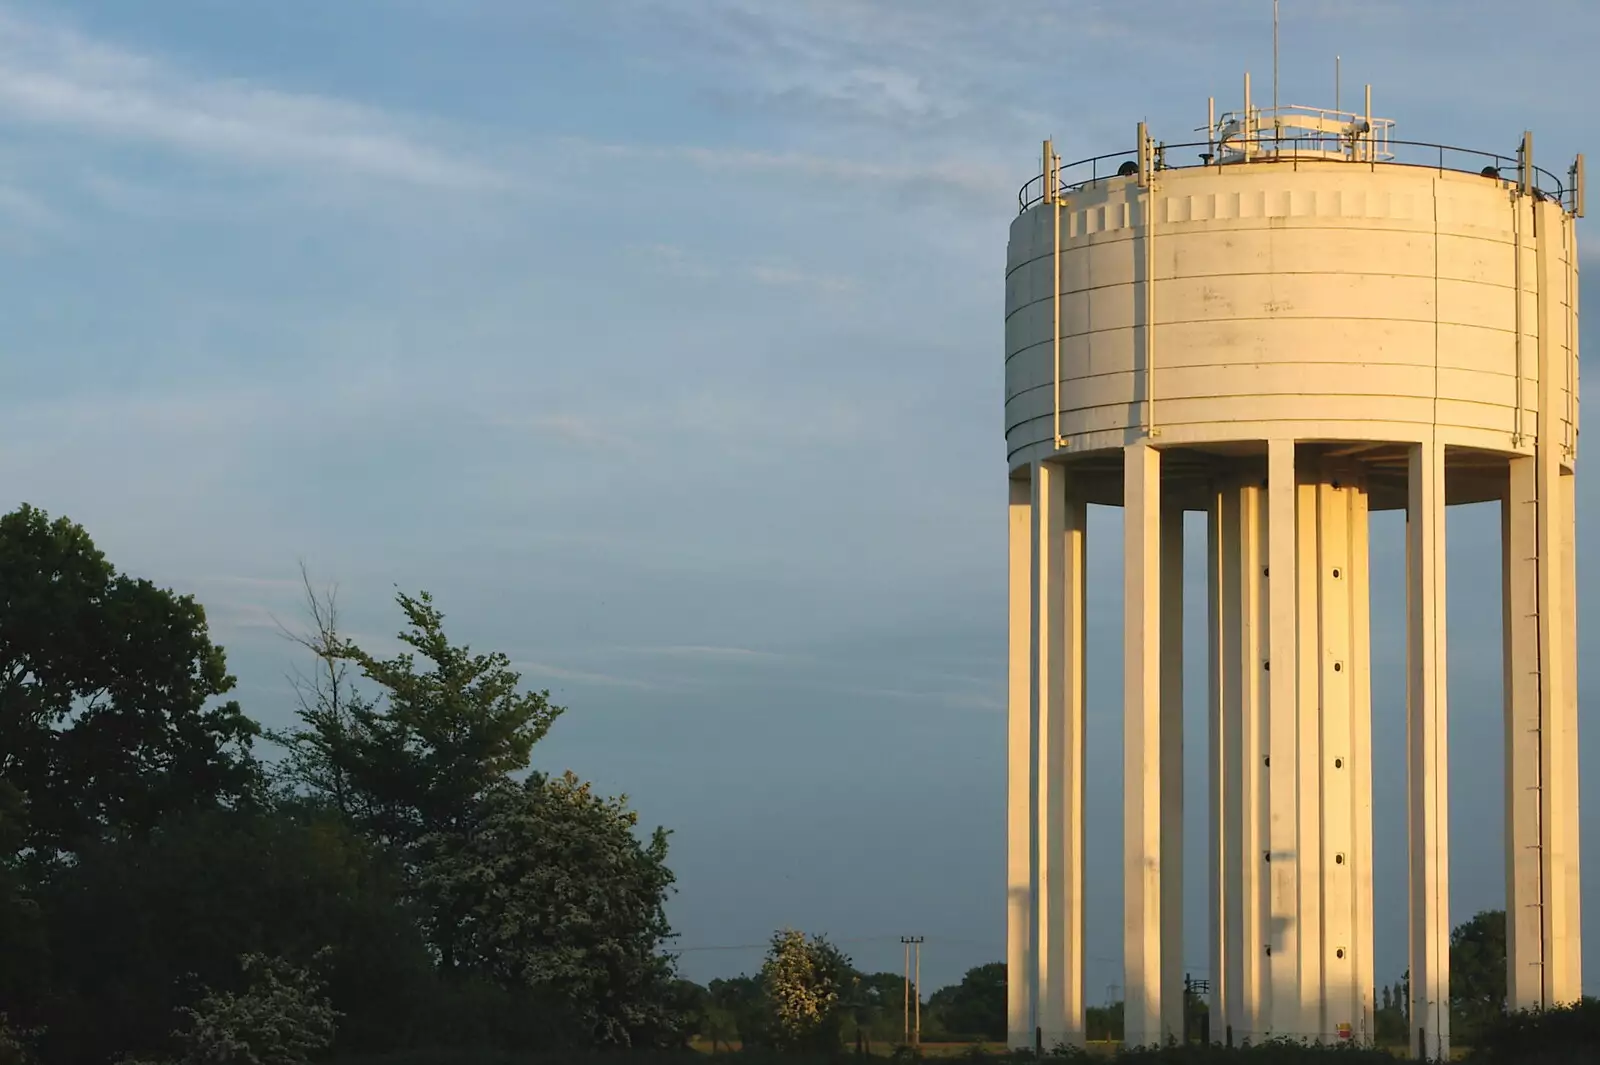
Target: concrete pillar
[
  {"x": 1220, "y": 835},
  {"x": 1538, "y": 542},
  {"x": 1366, "y": 990},
  {"x": 1238, "y": 653},
  {"x": 1172, "y": 967},
  {"x": 1335, "y": 815},
  {"x": 1282, "y": 949},
  {"x": 1568, "y": 936},
  {"x": 1558, "y": 699},
  {"x": 1427, "y": 762},
  {"x": 1021, "y": 976},
  {"x": 1057, "y": 702},
  {"x": 1142, "y": 748},
  {"x": 1519, "y": 555},
  {"x": 1310, "y": 857}
]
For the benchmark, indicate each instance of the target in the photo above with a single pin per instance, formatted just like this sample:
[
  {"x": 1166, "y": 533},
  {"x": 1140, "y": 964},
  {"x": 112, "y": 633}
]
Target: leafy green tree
[
  {"x": 138, "y": 926},
  {"x": 107, "y": 723},
  {"x": 976, "y": 1007},
  {"x": 442, "y": 738},
  {"x": 1477, "y": 973},
  {"x": 415, "y": 762},
  {"x": 547, "y": 887},
  {"x": 1103, "y": 1023},
  {"x": 805, "y": 982},
  {"x": 283, "y": 1017},
  {"x": 741, "y": 1001},
  {"x": 1389, "y": 1020},
  {"x": 22, "y": 938},
  {"x": 879, "y": 1008}
]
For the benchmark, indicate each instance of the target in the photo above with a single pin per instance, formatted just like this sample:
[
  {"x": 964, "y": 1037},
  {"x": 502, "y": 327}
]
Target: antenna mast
[{"x": 1274, "y": 66}]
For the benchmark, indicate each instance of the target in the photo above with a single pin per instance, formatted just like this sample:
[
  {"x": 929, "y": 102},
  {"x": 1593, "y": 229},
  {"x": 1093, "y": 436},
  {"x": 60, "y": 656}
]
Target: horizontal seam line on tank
[
  {"x": 1264, "y": 396},
  {"x": 1133, "y": 233},
  {"x": 1245, "y": 421},
  {"x": 1045, "y": 440},
  {"x": 1266, "y": 318},
  {"x": 1385, "y": 276},
  {"x": 1262, "y": 318},
  {"x": 1315, "y": 362},
  {"x": 1012, "y": 453},
  {"x": 1047, "y": 415}
]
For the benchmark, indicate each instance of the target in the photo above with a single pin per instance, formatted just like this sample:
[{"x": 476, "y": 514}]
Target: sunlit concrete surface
[{"x": 1315, "y": 322}]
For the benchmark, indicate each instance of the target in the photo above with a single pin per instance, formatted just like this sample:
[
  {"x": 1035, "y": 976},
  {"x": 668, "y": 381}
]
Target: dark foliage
[
  {"x": 137, "y": 928},
  {"x": 1563, "y": 1036},
  {"x": 106, "y": 683}
]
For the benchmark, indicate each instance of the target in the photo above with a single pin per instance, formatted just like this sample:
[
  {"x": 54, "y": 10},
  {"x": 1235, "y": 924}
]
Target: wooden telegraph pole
[{"x": 913, "y": 980}]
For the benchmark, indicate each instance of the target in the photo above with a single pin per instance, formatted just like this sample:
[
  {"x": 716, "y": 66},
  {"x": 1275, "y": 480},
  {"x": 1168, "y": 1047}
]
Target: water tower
[{"x": 1287, "y": 326}]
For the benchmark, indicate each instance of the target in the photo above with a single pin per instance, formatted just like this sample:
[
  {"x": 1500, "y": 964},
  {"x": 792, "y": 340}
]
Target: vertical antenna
[
  {"x": 1336, "y": 79},
  {"x": 1274, "y": 66},
  {"x": 1248, "y": 143},
  {"x": 1372, "y": 153}
]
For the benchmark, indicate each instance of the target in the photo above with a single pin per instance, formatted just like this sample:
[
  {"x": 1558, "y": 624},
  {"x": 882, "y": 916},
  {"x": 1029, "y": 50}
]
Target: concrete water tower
[{"x": 1287, "y": 326}]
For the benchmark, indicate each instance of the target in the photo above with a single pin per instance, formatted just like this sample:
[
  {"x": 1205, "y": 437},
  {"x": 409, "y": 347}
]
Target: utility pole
[{"x": 913, "y": 1034}]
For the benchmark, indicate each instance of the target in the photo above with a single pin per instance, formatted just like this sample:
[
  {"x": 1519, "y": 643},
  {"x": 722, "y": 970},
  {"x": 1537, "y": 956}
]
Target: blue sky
[{"x": 661, "y": 340}]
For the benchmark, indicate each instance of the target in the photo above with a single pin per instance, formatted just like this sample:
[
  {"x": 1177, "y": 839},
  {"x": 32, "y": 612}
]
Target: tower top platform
[{"x": 1299, "y": 132}]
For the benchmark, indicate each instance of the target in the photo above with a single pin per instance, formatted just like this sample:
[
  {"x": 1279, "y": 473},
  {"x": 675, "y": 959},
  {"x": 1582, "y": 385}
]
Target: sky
[{"x": 661, "y": 340}]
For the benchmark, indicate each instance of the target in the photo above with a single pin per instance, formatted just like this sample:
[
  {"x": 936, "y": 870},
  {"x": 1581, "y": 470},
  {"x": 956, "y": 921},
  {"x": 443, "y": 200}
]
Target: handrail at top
[{"x": 1072, "y": 176}]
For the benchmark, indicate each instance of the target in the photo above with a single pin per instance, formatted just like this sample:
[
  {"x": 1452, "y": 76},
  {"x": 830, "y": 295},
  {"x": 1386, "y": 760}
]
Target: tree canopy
[{"x": 107, "y": 719}]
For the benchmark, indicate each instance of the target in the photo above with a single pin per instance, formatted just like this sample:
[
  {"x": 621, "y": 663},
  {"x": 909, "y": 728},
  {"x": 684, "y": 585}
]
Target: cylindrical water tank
[{"x": 1318, "y": 299}]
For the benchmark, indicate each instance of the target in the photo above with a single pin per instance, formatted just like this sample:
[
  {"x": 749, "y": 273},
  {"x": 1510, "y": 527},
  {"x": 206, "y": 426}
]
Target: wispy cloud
[
  {"x": 53, "y": 75},
  {"x": 786, "y": 277},
  {"x": 711, "y": 653},
  {"x": 962, "y": 175},
  {"x": 568, "y": 428},
  {"x": 548, "y": 672},
  {"x": 680, "y": 262}
]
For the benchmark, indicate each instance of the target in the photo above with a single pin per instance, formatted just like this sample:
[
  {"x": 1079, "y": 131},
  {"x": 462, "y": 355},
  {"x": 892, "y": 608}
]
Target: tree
[
  {"x": 141, "y": 927},
  {"x": 804, "y": 982},
  {"x": 741, "y": 1002},
  {"x": 318, "y": 757},
  {"x": 879, "y": 1008},
  {"x": 1478, "y": 972},
  {"x": 283, "y": 1017},
  {"x": 976, "y": 1007},
  {"x": 440, "y": 739},
  {"x": 547, "y": 888},
  {"x": 414, "y": 763},
  {"x": 106, "y": 683}
]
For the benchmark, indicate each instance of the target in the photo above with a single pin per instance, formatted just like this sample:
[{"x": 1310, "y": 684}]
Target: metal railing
[{"x": 1314, "y": 147}]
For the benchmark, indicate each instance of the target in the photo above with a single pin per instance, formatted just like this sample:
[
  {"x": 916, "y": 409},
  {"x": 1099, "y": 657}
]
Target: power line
[{"x": 768, "y": 943}]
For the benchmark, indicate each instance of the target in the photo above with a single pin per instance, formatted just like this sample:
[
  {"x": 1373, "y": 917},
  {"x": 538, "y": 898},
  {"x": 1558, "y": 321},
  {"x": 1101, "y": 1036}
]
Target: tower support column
[
  {"x": 1142, "y": 877},
  {"x": 1056, "y": 753},
  {"x": 1334, "y": 758},
  {"x": 1291, "y": 751},
  {"x": 1427, "y": 761},
  {"x": 1282, "y": 857},
  {"x": 1171, "y": 654},
  {"x": 1022, "y": 990},
  {"x": 1543, "y": 965},
  {"x": 1236, "y": 552}
]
